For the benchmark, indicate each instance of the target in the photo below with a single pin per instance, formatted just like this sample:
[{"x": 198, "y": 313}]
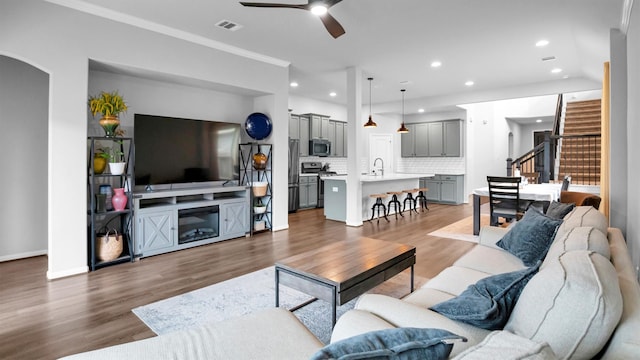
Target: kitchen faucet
[{"x": 382, "y": 161}]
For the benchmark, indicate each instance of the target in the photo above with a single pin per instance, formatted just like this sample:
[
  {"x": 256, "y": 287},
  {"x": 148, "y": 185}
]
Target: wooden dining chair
[
  {"x": 532, "y": 177},
  {"x": 504, "y": 198}
]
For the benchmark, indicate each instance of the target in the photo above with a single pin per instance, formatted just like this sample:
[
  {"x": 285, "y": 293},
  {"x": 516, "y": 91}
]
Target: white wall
[
  {"x": 161, "y": 98},
  {"x": 62, "y": 41},
  {"x": 632, "y": 190},
  {"x": 24, "y": 93},
  {"x": 302, "y": 105}
]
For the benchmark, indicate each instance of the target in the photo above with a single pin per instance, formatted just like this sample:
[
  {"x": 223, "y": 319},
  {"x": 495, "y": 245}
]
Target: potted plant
[
  {"x": 110, "y": 105},
  {"x": 115, "y": 155},
  {"x": 259, "y": 207}
]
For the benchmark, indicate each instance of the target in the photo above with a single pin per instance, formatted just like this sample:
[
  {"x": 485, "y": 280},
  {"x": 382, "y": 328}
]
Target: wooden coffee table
[{"x": 343, "y": 270}]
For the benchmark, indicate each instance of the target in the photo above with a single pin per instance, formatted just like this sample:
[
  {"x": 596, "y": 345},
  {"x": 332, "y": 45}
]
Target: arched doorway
[{"x": 24, "y": 100}]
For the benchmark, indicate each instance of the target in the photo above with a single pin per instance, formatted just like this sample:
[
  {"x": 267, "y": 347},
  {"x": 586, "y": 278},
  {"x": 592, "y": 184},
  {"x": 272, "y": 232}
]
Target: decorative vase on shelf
[
  {"x": 119, "y": 199},
  {"x": 109, "y": 124},
  {"x": 99, "y": 164},
  {"x": 259, "y": 161}
]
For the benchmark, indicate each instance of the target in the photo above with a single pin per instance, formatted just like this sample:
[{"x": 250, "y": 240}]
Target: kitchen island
[{"x": 335, "y": 191}]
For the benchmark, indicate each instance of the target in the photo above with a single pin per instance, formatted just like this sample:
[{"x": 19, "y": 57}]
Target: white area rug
[
  {"x": 461, "y": 230},
  {"x": 247, "y": 294}
]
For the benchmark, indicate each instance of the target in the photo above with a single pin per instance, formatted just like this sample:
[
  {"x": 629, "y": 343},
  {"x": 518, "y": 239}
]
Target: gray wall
[
  {"x": 618, "y": 155},
  {"x": 24, "y": 106}
]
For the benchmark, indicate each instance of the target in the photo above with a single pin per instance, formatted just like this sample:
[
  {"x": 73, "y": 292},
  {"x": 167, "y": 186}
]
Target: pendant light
[
  {"x": 370, "y": 123},
  {"x": 403, "y": 129}
]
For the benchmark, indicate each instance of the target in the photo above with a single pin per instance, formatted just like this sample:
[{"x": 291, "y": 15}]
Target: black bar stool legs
[
  {"x": 395, "y": 202},
  {"x": 379, "y": 204},
  {"x": 412, "y": 201},
  {"x": 421, "y": 200}
]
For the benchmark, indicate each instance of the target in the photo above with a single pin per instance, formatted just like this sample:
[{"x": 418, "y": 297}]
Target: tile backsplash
[{"x": 434, "y": 165}]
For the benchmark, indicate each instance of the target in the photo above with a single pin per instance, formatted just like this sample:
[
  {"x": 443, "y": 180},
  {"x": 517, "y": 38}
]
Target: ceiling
[{"x": 490, "y": 42}]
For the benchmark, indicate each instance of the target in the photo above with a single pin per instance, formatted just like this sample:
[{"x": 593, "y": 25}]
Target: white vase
[{"x": 116, "y": 168}]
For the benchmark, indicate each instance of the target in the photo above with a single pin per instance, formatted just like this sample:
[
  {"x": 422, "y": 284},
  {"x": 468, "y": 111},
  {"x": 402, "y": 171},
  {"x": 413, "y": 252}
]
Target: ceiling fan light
[{"x": 319, "y": 9}]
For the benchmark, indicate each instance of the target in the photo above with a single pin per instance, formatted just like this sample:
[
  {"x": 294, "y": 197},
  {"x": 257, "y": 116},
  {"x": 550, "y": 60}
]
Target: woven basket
[{"x": 109, "y": 245}]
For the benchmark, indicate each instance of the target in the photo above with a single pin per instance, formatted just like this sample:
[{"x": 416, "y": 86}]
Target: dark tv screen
[{"x": 175, "y": 151}]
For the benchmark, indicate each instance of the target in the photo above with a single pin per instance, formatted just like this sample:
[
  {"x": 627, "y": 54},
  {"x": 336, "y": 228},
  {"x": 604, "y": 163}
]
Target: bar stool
[
  {"x": 395, "y": 202},
  {"x": 412, "y": 201},
  {"x": 379, "y": 204},
  {"x": 421, "y": 199}
]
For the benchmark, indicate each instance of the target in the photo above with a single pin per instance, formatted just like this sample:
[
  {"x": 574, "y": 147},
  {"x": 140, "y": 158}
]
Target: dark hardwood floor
[{"x": 41, "y": 319}]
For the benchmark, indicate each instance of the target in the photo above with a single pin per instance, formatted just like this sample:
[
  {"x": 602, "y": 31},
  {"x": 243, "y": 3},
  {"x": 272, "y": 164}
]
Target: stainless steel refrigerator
[{"x": 294, "y": 174}]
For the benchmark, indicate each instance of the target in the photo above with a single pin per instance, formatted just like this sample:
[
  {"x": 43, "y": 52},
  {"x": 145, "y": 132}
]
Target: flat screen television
[{"x": 172, "y": 150}]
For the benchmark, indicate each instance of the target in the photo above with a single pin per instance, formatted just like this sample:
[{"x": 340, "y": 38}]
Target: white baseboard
[
  {"x": 69, "y": 272},
  {"x": 22, "y": 255}
]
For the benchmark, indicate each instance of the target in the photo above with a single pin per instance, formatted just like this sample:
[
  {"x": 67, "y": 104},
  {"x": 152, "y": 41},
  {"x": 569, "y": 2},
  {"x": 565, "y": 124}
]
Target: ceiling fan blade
[
  {"x": 333, "y": 26},
  {"x": 272, "y": 5}
]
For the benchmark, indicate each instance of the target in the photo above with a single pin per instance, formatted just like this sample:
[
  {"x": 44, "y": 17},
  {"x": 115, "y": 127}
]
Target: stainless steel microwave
[{"x": 319, "y": 147}]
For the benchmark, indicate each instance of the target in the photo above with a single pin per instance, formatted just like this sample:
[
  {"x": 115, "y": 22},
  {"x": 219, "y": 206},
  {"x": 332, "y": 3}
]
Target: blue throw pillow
[
  {"x": 529, "y": 239},
  {"x": 396, "y": 344},
  {"x": 488, "y": 303}
]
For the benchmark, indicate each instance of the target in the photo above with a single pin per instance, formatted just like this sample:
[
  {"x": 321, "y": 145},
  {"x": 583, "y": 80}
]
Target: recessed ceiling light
[
  {"x": 319, "y": 9},
  {"x": 436, "y": 64},
  {"x": 420, "y": 110},
  {"x": 469, "y": 83},
  {"x": 404, "y": 82},
  {"x": 556, "y": 71},
  {"x": 294, "y": 84},
  {"x": 542, "y": 43},
  {"x": 333, "y": 94},
  {"x": 539, "y": 120},
  {"x": 565, "y": 76}
]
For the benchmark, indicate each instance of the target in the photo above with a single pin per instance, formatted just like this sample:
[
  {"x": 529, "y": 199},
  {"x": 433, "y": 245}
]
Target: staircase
[{"x": 580, "y": 145}]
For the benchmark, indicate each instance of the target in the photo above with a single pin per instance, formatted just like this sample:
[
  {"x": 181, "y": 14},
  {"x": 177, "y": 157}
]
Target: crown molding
[
  {"x": 626, "y": 15},
  {"x": 166, "y": 30}
]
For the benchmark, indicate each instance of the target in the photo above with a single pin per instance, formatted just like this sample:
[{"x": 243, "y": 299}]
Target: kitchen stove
[{"x": 320, "y": 170}]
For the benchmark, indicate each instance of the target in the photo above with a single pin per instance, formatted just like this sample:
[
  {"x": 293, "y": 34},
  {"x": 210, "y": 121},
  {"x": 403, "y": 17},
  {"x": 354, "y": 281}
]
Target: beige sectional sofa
[{"x": 584, "y": 302}]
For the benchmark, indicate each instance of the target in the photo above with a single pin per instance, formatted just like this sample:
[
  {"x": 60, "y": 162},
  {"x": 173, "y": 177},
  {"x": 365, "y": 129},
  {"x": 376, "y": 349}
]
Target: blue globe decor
[{"x": 258, "y": 126}]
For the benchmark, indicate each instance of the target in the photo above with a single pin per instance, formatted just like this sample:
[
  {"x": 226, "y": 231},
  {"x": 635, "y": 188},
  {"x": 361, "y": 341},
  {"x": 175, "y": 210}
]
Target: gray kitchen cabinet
[
  {"x": 319, "y": 126},
  {"x": 446, "y": 189},
  {"x": 432, "y": 139},
  {"x": 407, "y": 142},
  {"x": 331, "y": 136},
  {"x": 444, "y": 138},
  {"x": 339, "y": 138},
  {"x": 304, "y": 135},
  {"x": 294, "y": 126},
  {"x": 308, "y": 191}
]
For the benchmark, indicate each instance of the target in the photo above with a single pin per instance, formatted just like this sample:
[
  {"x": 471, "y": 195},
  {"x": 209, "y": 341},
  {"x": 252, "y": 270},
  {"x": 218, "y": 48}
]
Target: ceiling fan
[{"x": 318, "y": 7}]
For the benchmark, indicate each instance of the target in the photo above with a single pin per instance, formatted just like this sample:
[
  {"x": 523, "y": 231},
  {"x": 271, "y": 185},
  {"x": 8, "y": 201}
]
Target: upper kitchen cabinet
[
  {"x": 445, "y": 138},
  {"x": 294, "y": 126},
  {"x": 299, "y": 129},
  {"x": 338, "y": 137},
  {"x": 433, "y": 139},
  {"x": 414, "y": 143},
  {"x": 319, "y": 126}
]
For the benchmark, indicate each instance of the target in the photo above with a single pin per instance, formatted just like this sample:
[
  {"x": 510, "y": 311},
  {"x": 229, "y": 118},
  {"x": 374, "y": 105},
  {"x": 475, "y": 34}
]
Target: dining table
[{"x": 536, "y": 192}]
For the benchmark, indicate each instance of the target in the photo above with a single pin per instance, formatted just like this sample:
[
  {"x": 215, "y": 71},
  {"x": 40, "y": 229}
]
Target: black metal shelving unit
[
  {"x": 122, "y": 221},
  {"x": 249, "y": 174}
]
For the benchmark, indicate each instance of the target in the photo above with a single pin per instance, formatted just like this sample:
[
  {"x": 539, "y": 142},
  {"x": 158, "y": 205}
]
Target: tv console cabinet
[{"x": 170, "y": 220}]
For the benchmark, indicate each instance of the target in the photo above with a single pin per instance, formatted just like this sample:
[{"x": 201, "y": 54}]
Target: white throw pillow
[
  {"x": 584, "y": 216},
  {"x": 579, "y": 238},
  {"x": 573, "y": 304}
]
